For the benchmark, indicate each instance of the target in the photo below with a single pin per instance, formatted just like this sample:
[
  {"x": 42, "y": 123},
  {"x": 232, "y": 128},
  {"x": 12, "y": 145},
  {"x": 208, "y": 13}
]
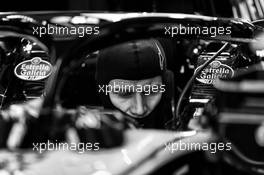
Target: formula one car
[{"x": 214, "y": 66}]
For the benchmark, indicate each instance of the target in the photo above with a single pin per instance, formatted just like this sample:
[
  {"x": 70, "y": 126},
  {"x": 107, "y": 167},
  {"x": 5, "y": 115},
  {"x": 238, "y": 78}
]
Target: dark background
[{"x": 204, "y": 7}]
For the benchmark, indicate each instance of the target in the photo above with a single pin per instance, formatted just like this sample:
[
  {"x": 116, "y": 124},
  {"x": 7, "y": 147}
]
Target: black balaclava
[{"x": 134, "y": 60}]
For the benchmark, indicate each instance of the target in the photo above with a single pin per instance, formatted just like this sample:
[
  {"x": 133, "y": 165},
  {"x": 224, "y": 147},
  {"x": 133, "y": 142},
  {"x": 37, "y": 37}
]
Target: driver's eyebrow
[
  {"x": 151, "y": 82},
  {"x": 130, "y": 85},
  {"x": 120, "y": 82},
  {"x": 126, "y": 88},
  {"x": 156, "y": 83},
  {"x": 122, "y": 86},
  {"x": 123, "y": 83}
]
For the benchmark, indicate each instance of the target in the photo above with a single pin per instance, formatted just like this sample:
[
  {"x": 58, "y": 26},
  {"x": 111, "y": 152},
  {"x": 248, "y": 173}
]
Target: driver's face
[{"x": 136, "y": 98}]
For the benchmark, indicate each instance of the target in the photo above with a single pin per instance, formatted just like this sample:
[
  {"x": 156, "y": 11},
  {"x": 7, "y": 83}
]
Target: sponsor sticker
[
  {"x": 33, "y": 70},
  {"x": 214, "y": 71}
]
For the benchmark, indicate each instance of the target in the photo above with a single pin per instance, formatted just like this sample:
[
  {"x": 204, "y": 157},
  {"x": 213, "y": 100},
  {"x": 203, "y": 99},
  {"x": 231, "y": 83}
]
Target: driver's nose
[{"x": 138, "y": 107}]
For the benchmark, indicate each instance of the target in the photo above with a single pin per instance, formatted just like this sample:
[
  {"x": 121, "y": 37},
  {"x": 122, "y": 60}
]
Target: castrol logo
[
  {"x": 33, "y": 70},
  {"x": 214, "y": 71}
]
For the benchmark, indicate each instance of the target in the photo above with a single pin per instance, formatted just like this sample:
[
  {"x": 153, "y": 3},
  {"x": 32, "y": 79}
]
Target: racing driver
[{"x": 132, "y": 78}]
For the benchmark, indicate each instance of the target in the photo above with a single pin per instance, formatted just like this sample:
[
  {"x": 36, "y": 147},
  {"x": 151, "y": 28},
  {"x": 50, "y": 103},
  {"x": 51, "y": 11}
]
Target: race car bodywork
[{"x": 141, "y": 151}]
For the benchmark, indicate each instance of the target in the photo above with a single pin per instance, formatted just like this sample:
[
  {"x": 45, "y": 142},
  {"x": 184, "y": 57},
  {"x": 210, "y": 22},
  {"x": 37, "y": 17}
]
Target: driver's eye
[
  {"x": 125, "y": 94},
  {"x": 153, "y": 92}
]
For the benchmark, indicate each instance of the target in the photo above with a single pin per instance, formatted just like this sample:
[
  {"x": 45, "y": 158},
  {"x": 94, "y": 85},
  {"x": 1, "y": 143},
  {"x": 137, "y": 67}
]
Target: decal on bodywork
[
  {"x": 33, "y": 70},
  {"x": 214, "y": 71}
]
